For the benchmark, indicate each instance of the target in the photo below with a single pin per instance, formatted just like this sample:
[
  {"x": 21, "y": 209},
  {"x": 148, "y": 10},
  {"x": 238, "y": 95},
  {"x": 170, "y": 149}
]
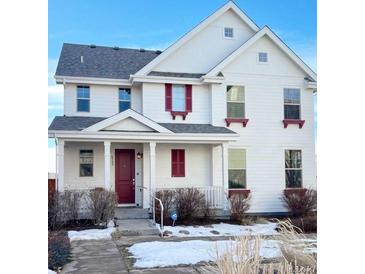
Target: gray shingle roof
[
  {"x": 77, "y": 123},
  {"x": 73, "y": 122},
  {"x": 102, "y": 62},
  {"x": 176, "y": 74},
  {"x": 196, "y": 128}
]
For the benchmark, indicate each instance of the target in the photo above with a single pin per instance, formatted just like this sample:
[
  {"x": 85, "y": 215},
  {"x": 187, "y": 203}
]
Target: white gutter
[
  {"x": 143, "y": 136},
  {"x": 91, "y": 80}
]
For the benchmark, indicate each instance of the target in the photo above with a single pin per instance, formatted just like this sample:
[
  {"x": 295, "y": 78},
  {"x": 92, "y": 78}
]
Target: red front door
[{"x": 124, "y": 176}]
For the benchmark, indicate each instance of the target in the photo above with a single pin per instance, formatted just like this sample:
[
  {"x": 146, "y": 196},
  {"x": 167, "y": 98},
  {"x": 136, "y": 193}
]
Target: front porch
[{"x": 136, "y": 170}]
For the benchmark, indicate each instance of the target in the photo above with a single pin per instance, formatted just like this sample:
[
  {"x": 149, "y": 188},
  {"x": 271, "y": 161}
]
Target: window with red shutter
[{"x": 177, "y": 163}]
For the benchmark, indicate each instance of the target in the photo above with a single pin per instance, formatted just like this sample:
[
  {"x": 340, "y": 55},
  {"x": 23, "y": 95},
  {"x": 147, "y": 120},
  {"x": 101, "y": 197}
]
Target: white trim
[
  {"x": 162, "y": 79},
  {"x": 92, "y": 80},
  {"x": 123, "y": 115},
  {"x": 264, "y": 31},
  {"x": 230, "y": 5}
]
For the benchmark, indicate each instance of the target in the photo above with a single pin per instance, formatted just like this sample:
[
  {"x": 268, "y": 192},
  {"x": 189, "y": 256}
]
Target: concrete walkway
[{"x": 100, "y": 257}]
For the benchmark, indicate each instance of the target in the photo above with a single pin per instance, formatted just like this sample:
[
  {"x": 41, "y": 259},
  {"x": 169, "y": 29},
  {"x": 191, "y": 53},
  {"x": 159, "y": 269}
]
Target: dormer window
[
  {"x": 263, "y": 57},
  {"x": 228, "y": 32}
]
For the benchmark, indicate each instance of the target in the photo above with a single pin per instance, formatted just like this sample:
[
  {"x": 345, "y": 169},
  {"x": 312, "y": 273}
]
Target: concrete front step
[
  {"x": 137, "y": 227},
  {"x": 127, "y": 213}
]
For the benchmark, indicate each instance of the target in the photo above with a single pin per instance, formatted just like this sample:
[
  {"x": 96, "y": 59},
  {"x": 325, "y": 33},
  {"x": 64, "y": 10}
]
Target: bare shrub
[
  {"x": 300, "y": 202},
  {"x": 101, "y": 204},
  {"x": 239, "y": 205},
  {"x": 189, "y": 202},
  {"x": 71, "y": 201},
  {"x": 243, "y": 256},
  {"x": 54, "y": 210},
  {"x": 167, "y": 198},
  {"x": 307, "y": 224}
]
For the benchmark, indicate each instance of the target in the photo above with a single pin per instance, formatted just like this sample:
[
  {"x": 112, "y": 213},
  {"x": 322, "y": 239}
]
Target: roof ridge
[{"x": 111, "y": 47}]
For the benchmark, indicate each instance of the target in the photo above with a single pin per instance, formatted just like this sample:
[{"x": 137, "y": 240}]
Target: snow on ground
[
  {"x": 51, "y": 272},
  {"x": 91, "y": 234},
  {"x": 161, "y": 254},
  {"x": 223, "y": 229}
]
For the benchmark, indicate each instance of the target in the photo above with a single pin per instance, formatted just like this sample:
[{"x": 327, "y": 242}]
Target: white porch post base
[
  {"x": 60, "y": 162},
  {"x": 225, "y": 175},
  {"x": 107, "y": 184}
]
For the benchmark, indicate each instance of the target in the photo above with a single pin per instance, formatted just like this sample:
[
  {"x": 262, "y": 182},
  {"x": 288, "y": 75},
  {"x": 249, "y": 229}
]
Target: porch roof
[{"x": 78, "y": 123}]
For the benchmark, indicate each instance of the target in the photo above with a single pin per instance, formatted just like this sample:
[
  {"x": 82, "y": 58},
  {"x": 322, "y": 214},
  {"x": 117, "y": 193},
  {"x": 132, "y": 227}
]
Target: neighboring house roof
[
  {"x": 264, "y": 31},
  {"x": 77, "y": 123},
  {"x": 228, "y": 6},
  {"x": 102, "y": 62},
  {"x": 73, "y": 123},
  {"x": 196, "y": 128},
  {"x": 175, "y": 74}
]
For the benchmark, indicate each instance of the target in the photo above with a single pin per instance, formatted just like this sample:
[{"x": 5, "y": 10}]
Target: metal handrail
[{"x": 154, "y": 212}]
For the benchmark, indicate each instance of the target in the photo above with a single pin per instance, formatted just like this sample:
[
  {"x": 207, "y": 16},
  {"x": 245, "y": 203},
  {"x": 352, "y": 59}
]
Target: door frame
[{"x": 133, "y": 172}]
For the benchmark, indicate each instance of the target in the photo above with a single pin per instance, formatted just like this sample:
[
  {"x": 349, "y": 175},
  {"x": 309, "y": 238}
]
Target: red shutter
[
  {"x": 168, "y": 97},
  {"x": 188, "y": 98},
  {"x": 177, "y": 163},
  {"x": 182, "y": 163}
]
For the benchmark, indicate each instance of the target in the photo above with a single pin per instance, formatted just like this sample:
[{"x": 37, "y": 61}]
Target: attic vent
[
  {"x": 81, "y": 59},
  {"x": 92, "y": 46},
  {"x": 142, "y": 50},
  {"x": 116, "y": 48},
  {"x": 158, "y": 52}
]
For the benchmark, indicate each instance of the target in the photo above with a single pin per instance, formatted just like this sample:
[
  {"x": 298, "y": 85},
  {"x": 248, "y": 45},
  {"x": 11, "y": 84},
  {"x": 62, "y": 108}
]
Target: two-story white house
[{"x": 227, "y": 108}]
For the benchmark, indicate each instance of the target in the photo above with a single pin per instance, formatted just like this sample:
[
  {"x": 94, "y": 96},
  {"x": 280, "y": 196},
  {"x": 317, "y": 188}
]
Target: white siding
[
  {"x": 104, "y": 101},
  {"x": 154, "y": 105},
  {"x": 197, "y": 166},
  {"x": 265, "y": 138},
  {"x": 208, "y": 47}
]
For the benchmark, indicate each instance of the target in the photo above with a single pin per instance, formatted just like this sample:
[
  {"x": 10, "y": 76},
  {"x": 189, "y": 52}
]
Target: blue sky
[{"x": 158, "y": 23}]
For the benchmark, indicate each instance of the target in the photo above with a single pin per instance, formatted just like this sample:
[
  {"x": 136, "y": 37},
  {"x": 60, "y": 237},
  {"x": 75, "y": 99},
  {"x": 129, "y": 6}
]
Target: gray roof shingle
[
  {"x": 102, "y": 62},
  {"x": 73, "y": 122},
  {"x": 176, "y": 74},
  {"x": 196, "y": 128},
  {"x": 77, "y": 123}
]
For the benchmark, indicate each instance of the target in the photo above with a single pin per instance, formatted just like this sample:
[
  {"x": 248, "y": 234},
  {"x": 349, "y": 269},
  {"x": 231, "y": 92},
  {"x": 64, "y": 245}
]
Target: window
[
  {"x": 124, "y": 99},
  {"x": 83, "y": 98},
  {"x": 228, "y": 32},
  {"x": 178, "y": 98},
  {"x": 291, "y": 103},
  {"x": 235, "y": 102},
  {"x": 178, "y": 163},
  {"x": 293, "y": 168},
  {"x": 237, "y": 168},
  {"x": 86, "y": 163},
  {"x": 263, "y": 57}
]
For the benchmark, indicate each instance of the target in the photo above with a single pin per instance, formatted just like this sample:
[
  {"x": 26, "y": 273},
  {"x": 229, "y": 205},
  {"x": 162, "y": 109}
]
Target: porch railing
[{"x": 213, "y": 195}]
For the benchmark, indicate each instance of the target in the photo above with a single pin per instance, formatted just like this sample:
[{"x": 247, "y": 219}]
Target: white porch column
[
  {"x": 60, "y": 162},
  {"x": 107, "y": 184},
  {"x": 152, "y": 167},
  {"x": 224, "y": 173}
]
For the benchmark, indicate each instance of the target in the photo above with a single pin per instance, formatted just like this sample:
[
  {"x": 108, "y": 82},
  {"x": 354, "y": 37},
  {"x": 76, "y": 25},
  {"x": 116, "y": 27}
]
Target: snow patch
[
  {"x": 51, "y": 271},
  {"x": 91, "y": 234},
  {"x": 162, "y": 254},
  {"x": 223, "y": 229}
]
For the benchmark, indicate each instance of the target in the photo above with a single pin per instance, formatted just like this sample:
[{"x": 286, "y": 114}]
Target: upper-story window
[
  {"x": 263, "y": 57},
  {"x": 235, "y": 102},
  {"x": 293, "y": 168},
  {"x": 291, "y": 103},
  {"x": 228, "y": 32},
  {"x": 178, "y": 98},
  {"x": 83, "y": 98},
  {"x": 237, "y": 168},
  {"x": 124, "y": 99}
]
